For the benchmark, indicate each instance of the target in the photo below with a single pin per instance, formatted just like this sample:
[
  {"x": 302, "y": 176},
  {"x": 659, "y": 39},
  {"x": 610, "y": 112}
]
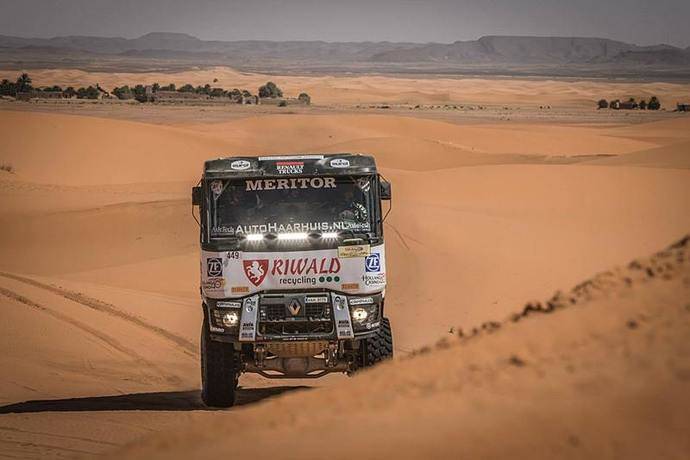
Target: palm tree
[
  {"x": 24, "y": 83},
  {"x": 654, "y": 104}
]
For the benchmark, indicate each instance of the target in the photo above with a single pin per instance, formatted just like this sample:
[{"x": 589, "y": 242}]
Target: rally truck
[{"x": 293, "y": 268}]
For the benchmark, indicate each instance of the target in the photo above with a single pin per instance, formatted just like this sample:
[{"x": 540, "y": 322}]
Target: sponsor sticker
[
  {"x": 293, "y": 271},
  {"x": 340, "y": 163},
  {"x": 214, "y": 267},
  {"x": 290, "y": 167},
  {"x": 255, "y": 270},
  {"x": 360, "y": 301},
  {"x": 296, "y": 227},
  {"x": 372, "y": 263},
  {"x": 359, "y": 250},
  {"x": 319, "y": 299},
  {"x": 378, "y": 279},
  {"x": 289, "y": 184},
  {"x": 216, "y": 329},
  {"x": 213, "y": 283},
  {"x": 240, "y": 165},
  {"x": 228, "y": 304}
]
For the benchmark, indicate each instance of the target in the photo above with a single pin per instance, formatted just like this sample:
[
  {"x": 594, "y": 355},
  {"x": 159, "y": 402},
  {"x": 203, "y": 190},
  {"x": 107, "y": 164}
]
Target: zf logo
[
  {"x": 372, "y": 263},
  {"x": 214, "y": 267}
]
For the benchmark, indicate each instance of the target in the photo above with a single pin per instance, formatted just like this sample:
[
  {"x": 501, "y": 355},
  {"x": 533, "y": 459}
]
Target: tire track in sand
[
  {"x": 95, "y": 304},
  {"x": 107, "y": 340}
]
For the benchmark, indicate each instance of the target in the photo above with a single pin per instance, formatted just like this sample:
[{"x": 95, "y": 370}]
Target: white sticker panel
[{"x": 238, "y": 274}]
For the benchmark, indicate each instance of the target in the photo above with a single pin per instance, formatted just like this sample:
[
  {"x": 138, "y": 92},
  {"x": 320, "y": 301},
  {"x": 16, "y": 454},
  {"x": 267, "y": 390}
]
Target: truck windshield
[{"x": 291, "y": 205}]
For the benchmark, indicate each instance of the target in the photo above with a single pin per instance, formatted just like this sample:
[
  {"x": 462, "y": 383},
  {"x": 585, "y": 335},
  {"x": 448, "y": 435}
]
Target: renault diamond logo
[{"x": 294, "y": 307}]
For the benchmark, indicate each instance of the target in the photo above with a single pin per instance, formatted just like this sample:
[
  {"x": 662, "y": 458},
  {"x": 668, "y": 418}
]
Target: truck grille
[
  {"x": 275, "y": 312},
  {"x": 285, "y": 315},
  {"x": 287, "y": 329}
]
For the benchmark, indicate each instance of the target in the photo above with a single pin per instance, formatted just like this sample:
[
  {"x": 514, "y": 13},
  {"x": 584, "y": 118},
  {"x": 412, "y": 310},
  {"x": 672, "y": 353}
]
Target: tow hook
[
  {"x": 332, "y": 354},
  {"x": 259, "y": 355}
]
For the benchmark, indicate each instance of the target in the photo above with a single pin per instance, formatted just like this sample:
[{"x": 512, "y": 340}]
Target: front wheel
[
  {"x": 218, "y": 371},
  {"x": 378, "y": 347}
]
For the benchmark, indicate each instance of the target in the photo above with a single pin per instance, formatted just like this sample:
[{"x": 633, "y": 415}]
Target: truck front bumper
[{"x": 294, "y": 317}]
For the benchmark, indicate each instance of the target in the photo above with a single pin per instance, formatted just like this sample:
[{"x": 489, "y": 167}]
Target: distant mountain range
[
  {"x": 538, "y": 50},
  {"x": 490, "y": 50}
]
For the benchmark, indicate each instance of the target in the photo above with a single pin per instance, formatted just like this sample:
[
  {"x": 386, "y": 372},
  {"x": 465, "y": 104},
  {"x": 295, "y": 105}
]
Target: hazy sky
[{"x": 637, "y": 21}]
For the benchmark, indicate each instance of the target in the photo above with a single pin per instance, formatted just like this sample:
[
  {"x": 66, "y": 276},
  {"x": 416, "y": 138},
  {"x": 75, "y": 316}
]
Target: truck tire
[
  {"x": 379, "y": 347},
  {"x": 218, "y": 371}
]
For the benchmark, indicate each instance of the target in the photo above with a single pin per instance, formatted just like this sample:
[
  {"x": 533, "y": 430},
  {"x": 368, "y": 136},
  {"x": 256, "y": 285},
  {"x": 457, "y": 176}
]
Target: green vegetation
[
  {"x": 123, "y": 93},
  {"x": 235, "y": 95},
  {"x": 654, "y": 104},
  {"x": 88, "y": 93},
  {"x": 271, "y": 90},
  {"x": 24, "y": 83},
  {"x": 631, "y": 104},
  {"x": 304, "y": 98},
  {"x": 139, "y": 92},
  {"x": 7, "y": 88}
]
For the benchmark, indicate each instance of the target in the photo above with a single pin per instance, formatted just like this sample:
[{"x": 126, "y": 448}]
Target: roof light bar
[{"x": 292, "y": 236}]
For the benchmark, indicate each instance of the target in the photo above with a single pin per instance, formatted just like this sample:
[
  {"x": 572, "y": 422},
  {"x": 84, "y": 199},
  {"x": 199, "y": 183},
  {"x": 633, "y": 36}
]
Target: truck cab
[{"x": 293, "y": 268}]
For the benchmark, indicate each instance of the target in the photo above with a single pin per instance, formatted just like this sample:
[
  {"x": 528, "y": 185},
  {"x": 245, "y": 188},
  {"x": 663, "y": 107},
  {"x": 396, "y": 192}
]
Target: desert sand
[{"x": 99, "y": 279}]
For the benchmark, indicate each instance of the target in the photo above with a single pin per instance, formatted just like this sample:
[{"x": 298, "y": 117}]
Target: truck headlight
[
  {"x": 230, "y": 319},
  {"x": 359, "y": 314},
  {"x": 364, "y": 312},
  {"x": 225, "y": 314}
]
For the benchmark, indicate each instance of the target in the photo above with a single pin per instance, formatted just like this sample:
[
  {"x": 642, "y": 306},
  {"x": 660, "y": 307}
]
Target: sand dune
[
  {"x": 98, "y": 252},
  {"x": 306, "y": 132},
  {"x": 668, "y": 156},
  {"x": 74, "y": 150},
  {"x": 583, "y": 381}
]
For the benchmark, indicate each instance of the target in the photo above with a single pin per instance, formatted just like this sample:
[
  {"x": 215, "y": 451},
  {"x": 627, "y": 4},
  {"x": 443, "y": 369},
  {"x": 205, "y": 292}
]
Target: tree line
[
  {"x": 138, "y": 92},
  {"x": 630, "y": 104},
  {"x": 23, "y": 84}
]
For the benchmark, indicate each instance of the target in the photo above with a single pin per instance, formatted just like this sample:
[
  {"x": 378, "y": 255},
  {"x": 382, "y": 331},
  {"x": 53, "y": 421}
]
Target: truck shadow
[{"x": 163, "y": 401}]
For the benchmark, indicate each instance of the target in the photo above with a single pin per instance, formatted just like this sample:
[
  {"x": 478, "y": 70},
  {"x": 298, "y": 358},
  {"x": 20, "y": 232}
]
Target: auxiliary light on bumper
[{"x": 365, "y": 312}]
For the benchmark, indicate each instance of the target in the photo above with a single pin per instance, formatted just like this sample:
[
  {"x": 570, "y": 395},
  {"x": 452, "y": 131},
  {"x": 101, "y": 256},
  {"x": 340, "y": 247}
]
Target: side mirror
[
  {"x": 385, "y": 190},
  {"x": 196, "y": 196}
]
